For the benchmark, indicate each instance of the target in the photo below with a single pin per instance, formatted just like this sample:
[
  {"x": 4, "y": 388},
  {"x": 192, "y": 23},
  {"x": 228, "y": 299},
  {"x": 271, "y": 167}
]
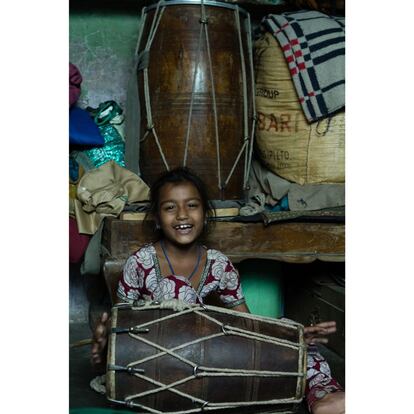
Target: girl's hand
[
  {"x": 315, "y": 334},
  {"x": 100, "y": 339}
]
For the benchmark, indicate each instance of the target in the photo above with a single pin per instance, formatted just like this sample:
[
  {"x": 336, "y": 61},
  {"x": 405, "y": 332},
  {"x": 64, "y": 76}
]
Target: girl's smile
[{"x": 181, "y": 214}]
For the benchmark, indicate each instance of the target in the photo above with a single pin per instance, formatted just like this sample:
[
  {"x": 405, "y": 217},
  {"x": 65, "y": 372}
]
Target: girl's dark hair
[{"x": 177, "y": 176}]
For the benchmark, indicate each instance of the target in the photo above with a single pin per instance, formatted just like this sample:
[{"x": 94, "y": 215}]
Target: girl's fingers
[
  {"x": 99, "y": 339},
  {"x": 104, "y": 317},
  {"x": 316, "y": 340},
  {"x": 314, "y": 330},
  {"x": 96, "y": 359},
  {"x": 327, "y": 324},
  {"x": 321, "y": 340},
  {"x": 320, "y": 329},
  {"x": 98, "y": 334}
]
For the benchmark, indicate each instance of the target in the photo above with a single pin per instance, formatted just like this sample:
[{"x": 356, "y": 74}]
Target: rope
[
  {"x": 213, "y": 93},
  {"x": 151, "y": 127},
  {"x": 273, "y": 321},
  {"x": 252, "y": 335},
  {"x": 212, "y": 371},
  {"x": 228, "y": 372},
  {"x": 170, "y": 387},
  {"x": 160, "y": 354},
  {"x": 235, "y": 163},
  {"x": 205, "y": 407},
  {"x": 163, "y": 387},
  {"x": 248, "y": 153},
  {"x": 240, "y": 372},
  {"x": 243, "y": 67},
  {"x": 300, "y": 385},
  {"x": 141, "y": 29},
  {"x": 190, "y": 113},
  {"x": 253, "y": 99}
]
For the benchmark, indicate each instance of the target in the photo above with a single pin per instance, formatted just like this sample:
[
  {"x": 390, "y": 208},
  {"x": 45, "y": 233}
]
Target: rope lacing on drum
[
  {"x": 253, "y": 100},
  {"x": 190, "y": 111},
  {"x": 201, "y": 371},
  {"x": 204, "y": 27},
  {"x": 247, "y": 146},
  {"x": 150, "y": 124}
]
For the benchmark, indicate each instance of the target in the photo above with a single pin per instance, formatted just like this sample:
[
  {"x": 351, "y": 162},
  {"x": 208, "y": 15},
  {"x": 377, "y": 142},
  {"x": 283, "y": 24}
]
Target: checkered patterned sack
[{"x": 314, "y": 47}]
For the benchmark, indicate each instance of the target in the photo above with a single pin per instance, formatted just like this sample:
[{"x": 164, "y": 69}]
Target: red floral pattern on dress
[
  {"x": 141, "y": 278},
  {"x": 319, "y": 381}
]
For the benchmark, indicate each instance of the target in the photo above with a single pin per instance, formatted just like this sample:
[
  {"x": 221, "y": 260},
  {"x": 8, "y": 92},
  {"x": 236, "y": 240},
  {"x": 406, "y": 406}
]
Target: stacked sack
[{"x": 299, "y": 66}]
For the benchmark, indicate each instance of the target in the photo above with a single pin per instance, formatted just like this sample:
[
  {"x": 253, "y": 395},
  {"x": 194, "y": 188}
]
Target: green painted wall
[
  {"x": 262, "y": 286},
  {"x": 102, "y": 41}
]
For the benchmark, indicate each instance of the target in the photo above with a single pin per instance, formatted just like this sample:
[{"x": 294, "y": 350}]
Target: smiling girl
[{"x": 178, "y": 266}]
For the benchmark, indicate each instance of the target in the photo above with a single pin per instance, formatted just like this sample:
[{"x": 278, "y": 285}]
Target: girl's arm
[
  {"x": 129, "y": 280},
  {"x": 241, "y": 308},
  {"x": 100, "y": 339}
]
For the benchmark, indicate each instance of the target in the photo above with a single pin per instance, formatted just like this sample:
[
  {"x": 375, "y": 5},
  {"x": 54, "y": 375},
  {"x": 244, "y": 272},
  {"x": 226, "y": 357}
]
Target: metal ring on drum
[
  {"x": 197, "y": 2},
  {"x": 197, "y": 93}
]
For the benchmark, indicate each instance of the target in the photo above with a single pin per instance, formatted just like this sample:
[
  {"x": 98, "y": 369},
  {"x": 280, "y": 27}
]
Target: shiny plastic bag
[{"x": 110, "y": 121}]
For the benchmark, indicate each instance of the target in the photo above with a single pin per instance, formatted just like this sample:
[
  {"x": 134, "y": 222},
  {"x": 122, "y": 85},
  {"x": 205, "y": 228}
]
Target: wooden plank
[
  {"x": 288, "y": 242},
  {"x": 218, "y": 212}
]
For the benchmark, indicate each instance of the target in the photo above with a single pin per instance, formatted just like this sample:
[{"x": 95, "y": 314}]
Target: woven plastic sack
[{"x": 287, "y": 144}]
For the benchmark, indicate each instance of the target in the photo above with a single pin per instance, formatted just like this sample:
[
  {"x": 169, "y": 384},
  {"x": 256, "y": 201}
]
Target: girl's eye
[
  {"x": 193, "y": 205},
  {"x": 169, "y": 207}
]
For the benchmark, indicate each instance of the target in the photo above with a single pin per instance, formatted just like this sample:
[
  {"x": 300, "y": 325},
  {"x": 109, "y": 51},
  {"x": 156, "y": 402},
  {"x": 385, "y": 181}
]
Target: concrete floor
[{"x": 88, "y": 299}]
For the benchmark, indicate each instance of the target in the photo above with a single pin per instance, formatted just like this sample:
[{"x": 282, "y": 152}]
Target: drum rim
[{"x": 196, "y": 2}]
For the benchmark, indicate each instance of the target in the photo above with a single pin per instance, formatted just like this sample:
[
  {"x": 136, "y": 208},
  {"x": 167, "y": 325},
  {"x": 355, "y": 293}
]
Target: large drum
[
  {"x": 204, "y": 359},
  {"x": 195, "y": 82}
]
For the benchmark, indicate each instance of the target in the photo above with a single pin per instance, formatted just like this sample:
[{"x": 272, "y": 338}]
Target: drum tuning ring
[
  {"x": 223, "y": 328},
  {"x": 204, "y": 405},
  {"x": 138, "y": 303},
  {"x": 134, "y": 329},
  {"x": 195, "y": 371},
  {"x": 203, "y": 21},
  {"x": 129, "y": 404}
]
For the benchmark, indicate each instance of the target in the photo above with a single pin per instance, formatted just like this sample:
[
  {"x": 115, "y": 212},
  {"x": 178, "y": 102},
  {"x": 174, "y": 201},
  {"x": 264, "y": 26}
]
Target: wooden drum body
[
  {"x": 204, "y": 359},
  {"x": 196, "y": 93}
]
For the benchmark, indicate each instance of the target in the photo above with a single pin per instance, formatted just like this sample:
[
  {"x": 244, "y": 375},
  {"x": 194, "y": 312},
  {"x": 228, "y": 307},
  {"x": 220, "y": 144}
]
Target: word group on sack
[
  {"x": 267, "y": 93},
  {"x": 276, "y": 122},
  {"x": 279, "y": 156}
]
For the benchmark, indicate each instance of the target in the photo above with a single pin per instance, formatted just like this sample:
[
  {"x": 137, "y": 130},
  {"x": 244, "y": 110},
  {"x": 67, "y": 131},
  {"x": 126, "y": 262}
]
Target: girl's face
[{"x": 180, "y": 213}]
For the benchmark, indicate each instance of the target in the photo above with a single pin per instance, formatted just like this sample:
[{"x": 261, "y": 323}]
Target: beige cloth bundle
[{"x": 104, "y": 191}]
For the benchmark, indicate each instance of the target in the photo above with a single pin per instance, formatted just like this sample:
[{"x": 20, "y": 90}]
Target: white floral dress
[{"x": 142, "y": 279}]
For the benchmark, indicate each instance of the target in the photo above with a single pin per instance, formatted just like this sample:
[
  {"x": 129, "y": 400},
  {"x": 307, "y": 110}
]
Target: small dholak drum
[
  {"x": 195, "y": 81},
  {"x": 204, "y": 358}
]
